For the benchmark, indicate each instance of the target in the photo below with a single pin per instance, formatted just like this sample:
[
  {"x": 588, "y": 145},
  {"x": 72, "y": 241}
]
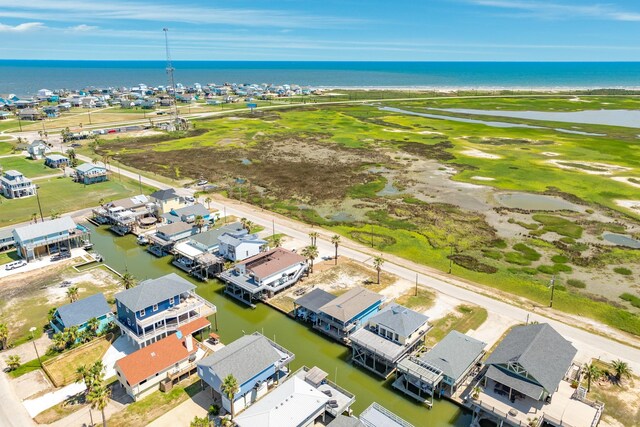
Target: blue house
[
  {"x": 256, "y": 363},
  {"x": 156, "y": 308},
  {"x": 88, "y": 173},
  {"x": 78, "y": 314},
  {"x": 49, "y": 237},
  {"x": 55, "y": 161},
  {"x": 166, "y": 237},
  {"x": 188, "y": 214}
]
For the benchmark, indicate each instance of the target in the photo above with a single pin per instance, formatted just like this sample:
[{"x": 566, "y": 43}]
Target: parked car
[
  {"x": 76, "y": 145},
  {"x": 202, "y": 182},
  {"x": 190, "y": 199},
  {"x": 15, "y": 264}
]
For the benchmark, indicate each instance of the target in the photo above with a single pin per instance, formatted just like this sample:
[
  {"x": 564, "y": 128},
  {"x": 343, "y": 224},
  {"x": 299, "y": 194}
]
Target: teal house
[
  {"x": 88, "y": 173},
  {"x": 80, "y": 312}
]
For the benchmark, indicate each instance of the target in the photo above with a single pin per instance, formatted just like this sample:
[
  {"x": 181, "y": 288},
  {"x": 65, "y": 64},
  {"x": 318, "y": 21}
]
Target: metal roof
[
  {"x": 350, "y": 304},
  {"x": 55, "y": 157},
  {"x": 195, "y": 209},
  {"x": 399, "y": 319},
  {"x": 454, "y": 354},
  {"x": 152, "y": 291},
  {"x": 377, "y": 415},
  {"x": 540, "y": 350},
  {"x": 86, "y": 167},
  {"x": 167, "y": 194},
  {"x": 46, "y": 228},
  {"x": 514, "y": 381},
  {"x": 345, "y": 421},
  {"x": 244, "y": 358},
  {"x": 315, "y": 299},
  {"x": 210, "y": 238},
  {"x": 79, "y": 312},
  {"x": 390, "y": 350}
]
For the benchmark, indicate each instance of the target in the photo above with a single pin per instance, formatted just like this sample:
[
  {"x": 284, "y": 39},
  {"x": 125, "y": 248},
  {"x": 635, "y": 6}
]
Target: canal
[{"x": 310, "y": 348}]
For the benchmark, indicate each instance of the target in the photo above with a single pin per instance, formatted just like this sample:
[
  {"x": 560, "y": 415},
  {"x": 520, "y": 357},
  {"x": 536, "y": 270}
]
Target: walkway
[{"x": 182, "y": 414}]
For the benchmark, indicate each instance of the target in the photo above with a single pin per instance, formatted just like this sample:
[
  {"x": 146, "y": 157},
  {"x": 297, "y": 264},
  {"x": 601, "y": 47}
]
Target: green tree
[
  {"x": 93, "y": 325},
  {"x": 98, "y": 396},
  {"x": 378, "y": 261},
  {"x": 621, "y": 369},
  {"x": 249, "y": 225},
  {"x": 127, "y": 280},
  {"x": 54, "y": 214},
  {"x": 208, "y": 202},
  {"x": 310, "y": 253},
  {"x": 59, "y": 341},
  {"x": 199, "y": 222},
  {"x": 591, "y": 373},
  {"x": 199, "y": 422},
  {"x": 230, "y": 388},
  {"x": 51, "y": 313},
  {"x": 13, "y": 362},
  {"x": 314, "y": 237},
  {"x": 277, "y": 241},
  {"x": 72, "y": 293},
  {"x": 4, "y": 336},
  {"x": 335, "y": 239}
]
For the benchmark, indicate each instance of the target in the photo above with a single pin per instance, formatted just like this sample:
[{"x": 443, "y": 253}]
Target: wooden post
[{"x": 215, "y": 318}]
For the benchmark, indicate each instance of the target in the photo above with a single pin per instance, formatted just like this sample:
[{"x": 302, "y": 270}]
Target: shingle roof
[
  {"x": 315, "y": 299},
  {"x": 77, "y": 313},
  {"x": 350, "y": 304},
  {"x": 271, "y": 262},
  {"x": 174, "y": 228},
  {"x": 210, "y": 237},
  {"x": 154, "y": 358},
  {"x": 344, "y": 421},
  {"x": 244, "y": 358},
  {"x": 195, "y": 209},
  {"x": 400, "y": 319},
  {"x": 231, "y": 240},
  {"x": 540, "y": 350},
  {"x": 454, "y": 354},
  {"x": 514, "y": 381},
  {"x": 58, "y": 225},
  {"x": 153, "y": 291},
  {"x": 167, "y": 194}
]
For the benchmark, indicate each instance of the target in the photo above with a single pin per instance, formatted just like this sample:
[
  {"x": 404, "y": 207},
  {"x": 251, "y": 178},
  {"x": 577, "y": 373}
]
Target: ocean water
[{"x": 24, "y": 77}]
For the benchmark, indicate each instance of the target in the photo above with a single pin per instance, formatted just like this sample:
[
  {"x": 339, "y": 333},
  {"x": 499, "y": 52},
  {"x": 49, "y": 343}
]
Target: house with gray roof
[
  {"x": 166, "y": 237},
  {"x": 89, "y": 173},
  {"x": 36, "y": 149},
  {"x": 442, "y": 369},
  {"x": 308, "y": 305},
  {"x": 389, "y": 335},
  {"x": 49, "y": 237},
  {"x": 528, "y": 376},
  {"x": 256, "y": 363},
  {"x": 167, "y": 199},
  {"x": 240, "y": 246},
  {"x": 56, "y": 161},
  {"x": 79, "y": 313},
  {"x": 14, "y": 185},
  {"x": 158, "y": 307}
]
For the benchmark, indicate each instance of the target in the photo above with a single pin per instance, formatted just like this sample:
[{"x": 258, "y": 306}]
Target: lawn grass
[
  {"x": 9, "y": 256},
  {"x": 63, "y": 195},
  {"x": 421, "y": 302},
  {"x": 632, "y": 299},
  {"x": 62, "y": 369},
  {"x": 153, "y": 406},
  {"x": 464, "y": 319},
  {"x": 29, "y": 366},
  {"x": 29, "y": 168}
]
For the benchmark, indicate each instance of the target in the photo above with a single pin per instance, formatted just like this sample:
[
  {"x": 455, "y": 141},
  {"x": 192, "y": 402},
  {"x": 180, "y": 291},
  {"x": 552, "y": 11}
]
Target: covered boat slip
[
  {"x": 198, "y": 263},
  {"x": 418, "y": 379},
  {"x": 242, "y": 288}
]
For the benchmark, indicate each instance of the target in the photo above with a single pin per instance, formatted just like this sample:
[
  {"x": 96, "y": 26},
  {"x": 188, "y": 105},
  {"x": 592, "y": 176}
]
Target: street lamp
[{"x": 31, "y": 331}]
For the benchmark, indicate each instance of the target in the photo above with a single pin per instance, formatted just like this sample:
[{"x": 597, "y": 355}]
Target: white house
[{"x": 238, "y": 246}]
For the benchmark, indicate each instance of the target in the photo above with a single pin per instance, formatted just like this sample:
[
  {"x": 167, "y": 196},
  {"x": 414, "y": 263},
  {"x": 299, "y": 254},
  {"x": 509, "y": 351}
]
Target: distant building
[
  {"x": 188, "y": 214},
  {"x": 30, "y": 114},
  {"x": 80, "y": 312},
  {"x": 167, "y": 200},
  {"x": 238, "y": 246},
  {"x": 48, "y": 237},
  {"x": 56, "y": 161},
  {"x": 88, "y": 173},
  {"x": 15, "y": 185},
  {"x": 166, "y": 237},
  {"x": 37, "y": 149}
]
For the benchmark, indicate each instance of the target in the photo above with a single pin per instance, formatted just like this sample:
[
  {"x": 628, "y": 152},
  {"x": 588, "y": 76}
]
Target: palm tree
[
  {"x": 199, "y": 222},
  {"x": 99, "y": 398},
  {"x": 208, "y": 202},
  {"x": 105, "y": 160},
  {"x": 55, "y": 214},
  {"x": 72, "y": 293},
  {"x": 592, "y": 373},
  {"x": 4, "y": 336},
  {"x": 199, "y": 422},
  {"x": 335, "y": 239},
  {"x": 310, "y": 253},
  {"x": 621, "y": 369},
  {"x": 243, "y": 221},
  {"x": 277, "y": 241},
  {"x": 249, "y": 225},
  {"x": 13, "y": 362},
  {"x": 93, "y": 325},
  {"x": 127, "y": 280},
  {"x": 377, "y": 264},
  {"x": 313, "y": 236},
  {"x": 230, "y": 388},
  {"x": 59, "y": 341},
  {"x": 72, "y": 334}
]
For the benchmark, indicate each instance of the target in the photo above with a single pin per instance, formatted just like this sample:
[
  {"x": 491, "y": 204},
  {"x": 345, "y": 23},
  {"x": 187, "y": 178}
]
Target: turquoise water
[{"x": 25, "y": 77}]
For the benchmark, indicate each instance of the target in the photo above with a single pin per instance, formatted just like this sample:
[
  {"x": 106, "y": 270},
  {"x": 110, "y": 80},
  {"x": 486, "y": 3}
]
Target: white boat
[{"x": 142, "y": 240}]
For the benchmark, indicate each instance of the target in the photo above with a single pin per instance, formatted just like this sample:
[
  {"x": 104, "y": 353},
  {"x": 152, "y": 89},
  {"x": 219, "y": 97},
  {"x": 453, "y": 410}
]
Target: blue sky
[{"x": 414, "y": 30}]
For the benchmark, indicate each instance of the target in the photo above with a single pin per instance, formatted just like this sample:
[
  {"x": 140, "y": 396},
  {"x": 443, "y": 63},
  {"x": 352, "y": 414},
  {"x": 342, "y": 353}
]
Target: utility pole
[
  {"x": 170, "y": 71},
  {"x": 32, "y": 330},
  {"x": 451, "y": 258},
  {"x": 553, "y": 287},
  {"x": 39, "y": 206},
  {"x": 416, "y": 284}
]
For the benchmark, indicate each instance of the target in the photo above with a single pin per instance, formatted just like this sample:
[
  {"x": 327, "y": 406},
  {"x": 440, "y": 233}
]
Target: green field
[
  {"x": 400, "y": 182},
  {"x": 29, "y": 168}
]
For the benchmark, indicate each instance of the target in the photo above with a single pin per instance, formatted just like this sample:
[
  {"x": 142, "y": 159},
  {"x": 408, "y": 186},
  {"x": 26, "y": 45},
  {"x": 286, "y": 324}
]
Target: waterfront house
[
  {"x": 347, "y": 313},
  {"x": 307, "y": 307},
  {"x": 6, "y": 239},
  {"x": 126, "y": 214},
  {"x": 303, "y": 400},
  {"x": 257, "y": 364},
  {"x": 36, "y": 149},
  {"x": 56, "y": 161},
  {"x": 377, "y": 415},
  {"x": 188, "y": 214},
  {"x": 158, "y": 307},
  {"x": 238, "y": 246},
  {"x": 162, "y": 364},
  {"x": 389, "y": 335},
  {"x": 51, "y": 111},
  {"x": 88, "y": 173},
  {"x": 166, "y": 236},
  {"x": 527, "y": 381},
  {"x": 30, "y": 114},
  {"x": 78, "y": 313},
  {"x": 49, "y": 237},
  {"x": 441, "y": 370},
  {"x": 15, "y": 185},
  {"x": 264, "y": 275},
  {"x": 167, "y": 200}
]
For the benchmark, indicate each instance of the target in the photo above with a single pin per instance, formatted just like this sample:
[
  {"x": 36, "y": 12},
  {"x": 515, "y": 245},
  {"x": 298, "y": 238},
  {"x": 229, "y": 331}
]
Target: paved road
[
  {"x": 588, "y": 344},
  {"x": 12, "y": 413}
]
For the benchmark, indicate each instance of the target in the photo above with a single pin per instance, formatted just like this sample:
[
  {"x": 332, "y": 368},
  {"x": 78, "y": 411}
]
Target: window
[
  {"x": 143, "y": 312},
  {"x": 171, "y": 301},
  {"x": 128, "y": 322},
  {"x": 155, "y": 307}
]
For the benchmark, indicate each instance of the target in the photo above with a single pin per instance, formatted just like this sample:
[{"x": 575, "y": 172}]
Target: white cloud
[
  {"x": 83, "y": 27},
  {"x": 21, "y": 28},
  {"x": 546, "y": 10}
]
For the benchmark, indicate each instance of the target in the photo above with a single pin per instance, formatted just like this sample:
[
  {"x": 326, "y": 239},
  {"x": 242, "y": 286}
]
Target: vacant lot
[{"x": 62, "y": 369}]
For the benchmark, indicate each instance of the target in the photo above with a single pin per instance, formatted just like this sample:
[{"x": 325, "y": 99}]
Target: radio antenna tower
[{"x": 170, "y": 71}]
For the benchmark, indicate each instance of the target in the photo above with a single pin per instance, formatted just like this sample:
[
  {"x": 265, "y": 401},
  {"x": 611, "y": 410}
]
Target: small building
[
  {"x": 158, "y": 307},
  {"x": 377, "y": 415},
  {"x": 166, "y": 236},
  {"x": 80, "y": 312},
  {"x": 4, "y": 115},
  {"x": 303, "y": 400},
  {"x": 389, "y": 335},
  {"x": 528, "y": 376},
  {"x": 15, "y": 185},
  {"x": 88, "y": 173},
  {"x": 49, "y": 237},
  {"x": 240, "y": 246},
  {"x": 56, "y": 161},
  {"x": 36, "y": 149},
  {"x": 264, "y": 275},
  {"x": 257, "y": 364},
  {"x": 30, "y": 114},
  {"x": 167, "y": 200},
  {"x": 159, "y": 365},
  {"x": 189, "y": 214},
  {"x": 441, "y": 370},
  {"x": 51, "y": 111},
  {"x": 307, "y": 307},
  {"x": 6, "y": 239},
  {"x": 344, "y": 315}
]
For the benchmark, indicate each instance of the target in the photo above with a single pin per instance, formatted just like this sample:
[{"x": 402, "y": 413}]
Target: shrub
[
  {"x": 470, "y": 263},
  {"x": 516, "y": 258},
  {"x": 527, "y": 252},
  {"x": 555, "y": 268},
  {"x": 488, "y": 253},
  {"x": 634, "y": 300},
  {"x": 623, "y": 271},
  {"x": 559, "y": 259},
  {"x": 575, "y": 283}
]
